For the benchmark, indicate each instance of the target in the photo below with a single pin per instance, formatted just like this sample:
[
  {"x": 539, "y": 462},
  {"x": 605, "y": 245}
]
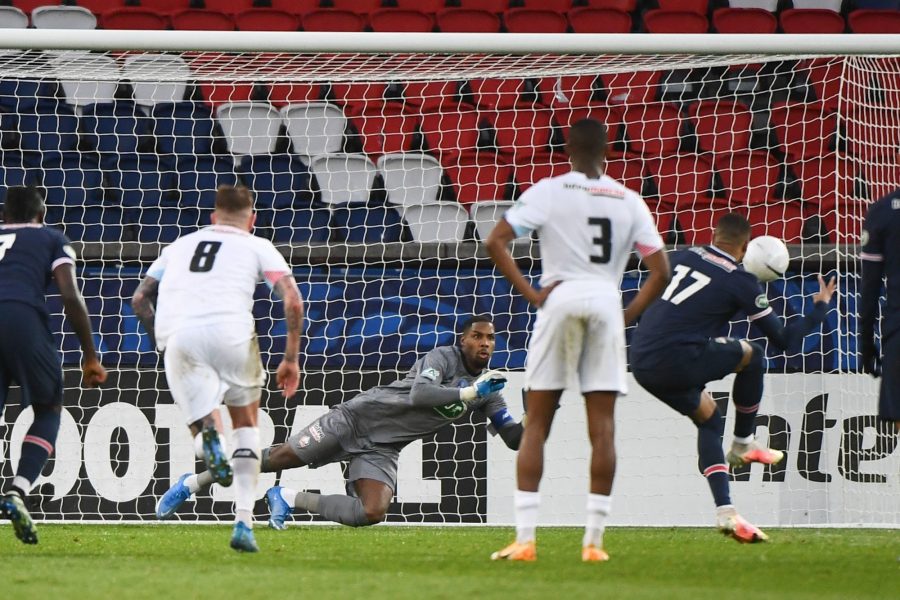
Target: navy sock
[
  {"x": 746, "y": 393},
  {"x": 38, "y": 443},
  {"x": 712, "y": 458}
]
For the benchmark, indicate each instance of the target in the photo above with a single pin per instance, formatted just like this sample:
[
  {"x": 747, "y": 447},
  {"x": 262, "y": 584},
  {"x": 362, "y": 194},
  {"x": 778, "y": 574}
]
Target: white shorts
[
  {"x": 578, "y": 335},
  {"x": 206, "y": 366}
]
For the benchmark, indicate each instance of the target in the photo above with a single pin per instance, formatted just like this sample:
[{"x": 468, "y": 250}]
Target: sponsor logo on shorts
[
  {"x": 316, "y": 432},
  {"x": 762, "y": 301},
  {"x": 303, "y": 441}
]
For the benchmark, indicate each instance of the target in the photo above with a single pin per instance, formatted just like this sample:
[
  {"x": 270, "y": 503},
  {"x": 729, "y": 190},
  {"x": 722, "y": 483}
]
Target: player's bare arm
[
  {"x": 93, "y": 373},
  {"x": 658, "y": 264},
  {"x": 288, "y": 373},
  {"x": 498, "y": 249},
  {"x": 143, "y": 303}
]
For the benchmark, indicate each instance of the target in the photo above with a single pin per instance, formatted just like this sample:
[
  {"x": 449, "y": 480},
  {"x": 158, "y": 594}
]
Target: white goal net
[{"x": 377, "y": 174}]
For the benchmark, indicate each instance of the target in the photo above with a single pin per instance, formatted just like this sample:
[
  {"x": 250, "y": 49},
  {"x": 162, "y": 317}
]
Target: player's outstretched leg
[
  {"x": 279, "y": 509},
  {"x": 753, "y": 452},
  {"x": 13, "y": 508},
  {"x": 215, "y": 457},
  {"x": 174, "y": 497},
  {"x": 730, "y": 523}
]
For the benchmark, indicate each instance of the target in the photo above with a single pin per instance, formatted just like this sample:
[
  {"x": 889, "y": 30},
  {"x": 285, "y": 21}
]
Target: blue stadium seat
[
  {"x": 47, "y": 134},
  {"x": 184, "y": 129},
  {"x": 94, "y": 224},
  {"x": 277, "y": 180},
  {"x": 115, "y": 128},
  {"x": 20, "y": 95},
  {"x": 367, "y": 223},
  {"x": 301, "y": 225},
  {"x": 199, "y": 176},
  {"x": 12, "y": 172},
  {"x": 143, "y": 180},
  {"x": 166, "y": 224},
  {"x": 71, "y": 179}
]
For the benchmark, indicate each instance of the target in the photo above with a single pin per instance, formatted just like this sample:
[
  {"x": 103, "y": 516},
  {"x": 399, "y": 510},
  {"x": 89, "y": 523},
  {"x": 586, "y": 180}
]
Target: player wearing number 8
[
  {"x": 588, "y": 226},
  {"x": 674, "y": 355},
  {"x": 197, "y": 301}
]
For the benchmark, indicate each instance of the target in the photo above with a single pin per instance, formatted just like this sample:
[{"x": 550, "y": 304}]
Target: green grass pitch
[{"x": 319, "y": 563}]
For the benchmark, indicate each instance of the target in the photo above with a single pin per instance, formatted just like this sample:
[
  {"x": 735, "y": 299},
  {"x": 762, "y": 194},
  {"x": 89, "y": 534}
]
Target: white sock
[
  {"x": 743, "y": 441},
  {"x": 22, "y": 483},
  {"x": 598, "y": 507},
  {"x": 198, "y": 482},
  {"x": 198, "y": 445},
  {"x": 245, "y": 463},
  {"x": 289, "y": 496},
  {"x": 527, "y": 505}
]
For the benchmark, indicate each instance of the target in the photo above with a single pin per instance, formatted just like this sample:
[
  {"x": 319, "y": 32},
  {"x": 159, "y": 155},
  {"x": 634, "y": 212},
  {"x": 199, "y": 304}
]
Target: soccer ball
[{"x": 767, "y": 257}]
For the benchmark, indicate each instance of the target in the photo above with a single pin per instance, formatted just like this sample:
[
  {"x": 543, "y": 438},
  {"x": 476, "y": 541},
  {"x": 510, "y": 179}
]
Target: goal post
[{"x": 378, "y": 163}]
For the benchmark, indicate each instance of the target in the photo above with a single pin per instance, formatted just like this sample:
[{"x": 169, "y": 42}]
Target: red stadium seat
[
  {"x": 101, "y": 6},
  {"x": 821, "y": 188},
  {"x": 228, "y": 6},
  {"x": 721, "y": 126},
  {"x": 479, "y": 176},
  {"x": 803, "y": 130},
  {"x": 357, "y": 96},
  {"x": 468, "y": 20},
  {"x": 134, "y": 19},
  {"x": 699, "y": 225},
  {"x": 539, "y": 166},
  {"x": 701, "y": 7},
  {"x": 599, "y": 20},
  {"x": 625, "y": 5},
  {"x": 882, "y": 177},
  {"x": 266, "y": 19},
  {"x": 401, "y": 19},
  {"x": 494, "y": 6},
  {"x": 652, "y": 129},
  {"x": 631, "y": 88},
  {"x": 782, "y": 219},
  {"x": 684, "y": 182},
  {"x": 744, "y": 20},
  {"x": 282, "y": 94},
  {"x": 559, "y": 6},
  {"x": 429, "y": 95},
  {"x": 425, "y": 6},
  {"x": 673, "y": 21},
  {"x": 450, "y": 131},
  {"x": 568, "y": 90},
  {"x": 627, "y": 170},
  {"x": 386, "y": 130},
  {"x": 497, "y": 93},
  {"x": 165, "y": 6},
  {"x": 522, "y": 131},
  {"x": 565, "y": 116},
  {"x": 202, "y": 20},
  {"x": 873, "y": 133},
  {"x": 811, "y": 20},
  {"x": 525, "y": 20},
  {"x": 357, "y": 6},
  {"x": 749, "y": 177},
  {"x": 295, "y": 7},
  {"x": 27, "y": 6},
  {"x": 826, "y": 76},
  {"x": 874, "y": 21},
  {"x": 333, "y": 20},
  {"x": 218, "y": 93}
]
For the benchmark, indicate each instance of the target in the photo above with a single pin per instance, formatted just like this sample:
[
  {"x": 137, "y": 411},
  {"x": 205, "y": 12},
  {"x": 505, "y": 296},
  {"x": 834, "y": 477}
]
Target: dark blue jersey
[
  {"x": 881, "y": 258},
  {"x": 28, "y": 255},
  {"x": 708, "y": 288}
]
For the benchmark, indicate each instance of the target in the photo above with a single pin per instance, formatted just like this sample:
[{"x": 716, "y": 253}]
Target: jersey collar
[
  {"x": 723, "y": 253},
  {"x": 228, "y": 229},
  {"x": 20, "y": 225}
]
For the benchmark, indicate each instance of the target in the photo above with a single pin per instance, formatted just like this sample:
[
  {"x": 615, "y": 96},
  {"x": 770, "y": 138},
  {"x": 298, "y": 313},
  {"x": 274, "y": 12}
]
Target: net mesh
[{"x": 375, "y": 174}]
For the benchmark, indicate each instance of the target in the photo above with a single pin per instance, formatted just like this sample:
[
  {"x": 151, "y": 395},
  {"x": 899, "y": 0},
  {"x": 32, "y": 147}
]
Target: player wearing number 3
[
  {"x": 588, "y": 226},
  {"x": 197, "y": 301},
  {"x": 673, "y": 355}
]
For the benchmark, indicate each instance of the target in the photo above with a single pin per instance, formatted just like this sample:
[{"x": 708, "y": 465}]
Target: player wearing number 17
[
  {"x": 202, "y": 286},
  {"x": 588, "y": 225}
]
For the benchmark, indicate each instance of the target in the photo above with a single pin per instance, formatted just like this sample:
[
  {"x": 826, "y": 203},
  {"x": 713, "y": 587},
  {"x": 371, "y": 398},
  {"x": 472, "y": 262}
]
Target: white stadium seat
[
  {"x": 438, "y": 222},
  {"x": 249, "y": 127},
  {"x": 12, "y": 18},
  {"x": 314, "y": 127},
  {"x": 343, "y": 177},
  {"x": 157, "y": 78},
  {"x": 486, "y": 214},
  {"x": 63, "y": 17},
  {"x": 410, "y": 178}
]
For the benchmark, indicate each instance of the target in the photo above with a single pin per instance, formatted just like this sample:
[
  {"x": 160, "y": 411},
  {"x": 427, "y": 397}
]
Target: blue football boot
[
  {"x": 174, "y": 497},
  {"x": 242, "y": 538},
  {"x": 215, "y": 458},
  {"x": 13, "y": 508},
  {"x": 279, "y": 510}
]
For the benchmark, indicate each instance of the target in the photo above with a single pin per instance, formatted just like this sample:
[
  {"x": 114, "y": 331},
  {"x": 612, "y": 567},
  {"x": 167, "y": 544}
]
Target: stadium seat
[
  {"x": 165, "y": 225},
  {"x": 479, "y": 176},
  {"x": 296, "y": 7},
  {"x": 314, "y": 127},
  {"x": 427, "y": 96},
  {"x": 230, "y": 7},
  {"x": 485, "y": 215},
  {"x": 629, "y": 170},
  {"x": 386, "y": 129},
  {"x": 343, "y": 177},
  {"x": 114, "y": 129},
  {"x": 426, "y": 6},
  {"x": 652, "y": 129},
  {"x": 198, "y": 177},
  {"x": 624, "y": 5},
  {"x": 266, "y": 19},
  {"x": 301, "y": 225},
  {"x": 219, "y": 93},
  {"x": 99, "y": 7},
  {"x": 95, "y": 224},
  {"x": 525, "y": 20},
  {"x": 172, "y": 71},
  {"x": 201, "y": 20},
  {"x": 165, "y": 7},
  {"x": 333, "y": 20},
  {"x": 82, "y": 92},
  {"x": 697, "y": 226},
  {"x": 451, "y": 131},
  {"x": 47, "y": 134},
  {"x": 21, "y": 95},
  {"x": 277, "y": 180},
  {"x": 803, "y": 130},
  {"x": 880, "y": 177},
  {"x": 357, "y": 223},
  {"x": 872, "y": 134},
  {"x": 62, "y": 17},
  {"x": 559, "y": 6},
  {"x": 631, "y": 87},
  {"x": 497, "y": 93},
  {"x": 721, "y": 125},
  {"x": 569, "y": 90},
  {"x": 26, "y": 6},
  {"x": 826, "y": 76},
  {"x": 821, "y": 188},
  {"x": 401, "y": 19},
  {"x": 282, "y": 94},
  {"x": 133, "y": 18},
  {"x": 744, "y": 20},
  {"x": 877, "y": 4},
  {"x": 564, "y": 117},
  {"x": 874, "y": 21},
  {"x": 832, "y": 5},
  {"x": 356, "y": 97},
  {"x": 749, "y": 178},
  {"x": 363, "y": 7},
  {"x": 811, "y": 20},
  {"x": 467, "y": 20},
  {"x": 438, "y": 222},
  {"x": 494, "y": 6},
  {"x": 701, "y": 7},
  {"x": 12, "y": 18},
  {"x": 599, "y": 20},
  {"x": 183, "y": 129},
  {"x": 674, "y": 21},
  {"x": 410, "y": 177},
  {"x": 767, "y": 5},
  {"x": 782, "y": 219},
  {"x": 522, "y": 131},
  {"x": 13, "y": 172},
  {"x": 142, "y": 180},
  {"x": 684, "y": 182},
  {"x": 249, "y": 127},
  {"x": 530, "y": 170}
]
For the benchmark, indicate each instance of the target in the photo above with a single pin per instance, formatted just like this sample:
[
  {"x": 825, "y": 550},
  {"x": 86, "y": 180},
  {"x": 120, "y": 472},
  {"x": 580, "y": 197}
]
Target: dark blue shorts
[
  {"x": 28, "y": 356},
  {"x": 889, "y": 398},
  {"x": 678, "y": 375}
]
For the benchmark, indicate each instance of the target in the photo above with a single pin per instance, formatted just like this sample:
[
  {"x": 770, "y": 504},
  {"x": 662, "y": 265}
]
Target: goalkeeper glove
[
  {"x": 488, "y": 383},
  {"x": 871, "y": 362}
]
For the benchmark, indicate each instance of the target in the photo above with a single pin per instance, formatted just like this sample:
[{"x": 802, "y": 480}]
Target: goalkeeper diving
[{"x": 371, "y": 429}]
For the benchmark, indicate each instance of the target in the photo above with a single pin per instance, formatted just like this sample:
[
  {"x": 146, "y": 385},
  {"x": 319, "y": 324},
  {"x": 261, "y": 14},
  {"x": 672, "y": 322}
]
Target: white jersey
[
  {"x": 587, "y": 227},
  {"x": 208, "y": 278}
]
